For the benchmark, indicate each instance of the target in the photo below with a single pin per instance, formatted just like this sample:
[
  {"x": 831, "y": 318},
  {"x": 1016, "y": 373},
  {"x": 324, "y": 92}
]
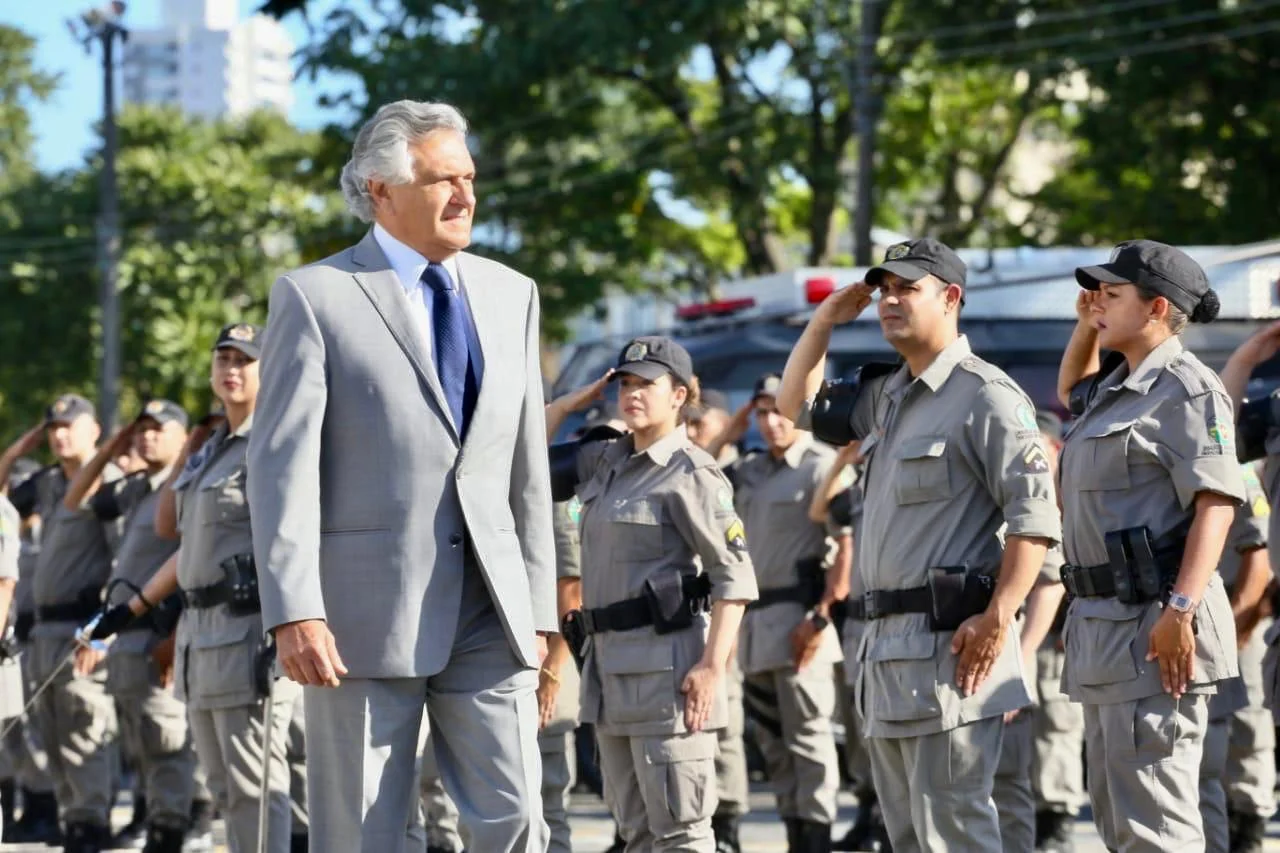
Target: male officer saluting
[{"x": 955, "y": 452}]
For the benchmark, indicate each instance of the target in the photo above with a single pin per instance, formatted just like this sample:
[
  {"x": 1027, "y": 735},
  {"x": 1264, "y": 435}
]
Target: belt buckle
[{"x": 870, "y": 613}]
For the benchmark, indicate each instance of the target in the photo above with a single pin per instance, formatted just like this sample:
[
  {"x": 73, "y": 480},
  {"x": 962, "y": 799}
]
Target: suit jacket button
[{"x": 455, "y": 539}]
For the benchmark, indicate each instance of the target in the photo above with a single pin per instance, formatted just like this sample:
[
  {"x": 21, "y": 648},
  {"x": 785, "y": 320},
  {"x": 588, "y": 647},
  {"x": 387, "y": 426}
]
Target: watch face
[{"x": 1181, "y": 602}]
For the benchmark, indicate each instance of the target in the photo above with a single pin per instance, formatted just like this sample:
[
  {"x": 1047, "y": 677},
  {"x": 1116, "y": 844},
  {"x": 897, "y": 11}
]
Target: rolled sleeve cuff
[
  {"x": 733, "y": 587},
  {"x": 1217, "y": 474},
  {"x": 836, "y": 531},
  {"x": 1034, "y": 518},
  {"x": 804, "y": 420}
]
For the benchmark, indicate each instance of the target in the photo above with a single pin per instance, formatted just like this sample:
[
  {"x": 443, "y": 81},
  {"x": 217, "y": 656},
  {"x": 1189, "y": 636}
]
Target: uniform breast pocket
[
  {"x": 637, "y": 524},
  {"x": 229, "y": 503},
  {"x": 1105, "y": 463},
  {"x": 923, "y": 473}
]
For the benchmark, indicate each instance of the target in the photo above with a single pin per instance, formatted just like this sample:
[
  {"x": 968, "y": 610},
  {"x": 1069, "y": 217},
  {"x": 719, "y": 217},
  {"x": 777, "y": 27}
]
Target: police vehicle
[{"x": 1019, "y": 313}]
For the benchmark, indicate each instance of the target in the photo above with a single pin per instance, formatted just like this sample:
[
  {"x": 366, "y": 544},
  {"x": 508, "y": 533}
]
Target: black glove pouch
[
  {"x": 957, "y": 594},
  {"x": 242, "y": 585},
  {"x": 670, "y": 608}
]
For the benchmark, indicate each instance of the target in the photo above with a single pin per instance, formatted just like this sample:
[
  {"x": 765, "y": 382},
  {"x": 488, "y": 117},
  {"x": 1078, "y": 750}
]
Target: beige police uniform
[
  {"x": 1248, "y": 533},
  {"x": 795, "y": 709},
  {"x": 955, "y": 455},
  {"x": 732, "y": 783},
  {"x": 153, "y": 722},
  {"x": 217, "y": 653},
  {"x": 667, "y": 509},
  {"x": 10, "y": 551},
  {"x": 857, "y": 757},
  {"x": 555, "y": 741},
  {"x": 1145, "y": 445},
  {"x": 75, "y": 716}
]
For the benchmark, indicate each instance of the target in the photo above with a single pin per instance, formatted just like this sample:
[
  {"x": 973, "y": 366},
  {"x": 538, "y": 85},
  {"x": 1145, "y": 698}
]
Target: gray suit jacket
[{"x": 362, "y": 495}]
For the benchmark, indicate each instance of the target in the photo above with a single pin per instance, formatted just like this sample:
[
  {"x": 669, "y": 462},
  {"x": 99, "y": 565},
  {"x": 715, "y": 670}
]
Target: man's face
[
  {"x": 158, "y": 444},
  {"x": 911, "y": 311},
  {"x": 705, "y": 429},
  {"x": 777, "y": 432},
  {"x": 73, "y": 439},
  {"x": 432, "y": 213}
]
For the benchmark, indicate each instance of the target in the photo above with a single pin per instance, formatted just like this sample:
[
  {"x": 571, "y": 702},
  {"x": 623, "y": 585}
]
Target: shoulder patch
[
  {"x": 735, "y": 536},
  {"x": 1260, "y": 507},
  {"x": 574, "y": 509}
]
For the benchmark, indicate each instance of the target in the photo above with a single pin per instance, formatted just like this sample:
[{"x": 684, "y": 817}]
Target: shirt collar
[
  {"x": 244, "y": 427},
  {"x": 661, "y": 451},
  {"x": 938, "y": 371},
  {"x": 158, "y": 479},
  {"x": 1153, "y": 365},
  {"x": 408, "y": 264},
  {"x": 794, "y": 454}
]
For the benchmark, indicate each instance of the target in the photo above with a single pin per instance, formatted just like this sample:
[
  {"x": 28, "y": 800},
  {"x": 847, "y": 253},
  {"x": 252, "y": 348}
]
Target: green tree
[
  {"x": 21, "y": 84},
  {"x": 212, "y": 213}
]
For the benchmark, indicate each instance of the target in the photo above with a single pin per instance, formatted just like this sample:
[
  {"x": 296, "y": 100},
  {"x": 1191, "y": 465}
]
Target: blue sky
[{"x": 64, "y": 123}]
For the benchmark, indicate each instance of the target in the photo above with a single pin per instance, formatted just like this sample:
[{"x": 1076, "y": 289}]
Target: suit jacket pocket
[
  {"x": 637, "y": 679},
  {"x": 901, "y": 678}
]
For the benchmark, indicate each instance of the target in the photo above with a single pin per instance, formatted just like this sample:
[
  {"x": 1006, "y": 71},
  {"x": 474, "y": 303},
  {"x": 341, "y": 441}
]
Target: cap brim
[
  {"x": 252, "y": 350},
  {"x": 910, "y": 272},
  {"x": 644, "y": 369},
  {"x": 1091, "y": 278}
]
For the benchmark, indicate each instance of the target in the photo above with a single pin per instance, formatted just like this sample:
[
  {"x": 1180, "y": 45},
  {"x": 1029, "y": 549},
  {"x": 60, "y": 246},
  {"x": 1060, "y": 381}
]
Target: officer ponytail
[
  {"x": 1207, "y": 308},
  {"x": 693, "y": 402}
]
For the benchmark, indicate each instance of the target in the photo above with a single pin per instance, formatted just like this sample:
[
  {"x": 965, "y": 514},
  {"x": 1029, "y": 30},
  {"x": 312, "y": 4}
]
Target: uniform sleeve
[
  {"x": 564, "y": 524},
  {"x": 10, "y": 540},
  {"x": 1249, "y": 529},
  {"x": 702, "y": 510},
  {"x": 26, "y": 496},
  {"x": 1051, "y": 569},
  {"x": 1197, "y": 433},
  {"x": 118, "y": 498},
  {"x": 590, "y": 455},
  {"x": 1009, "y": 457}
]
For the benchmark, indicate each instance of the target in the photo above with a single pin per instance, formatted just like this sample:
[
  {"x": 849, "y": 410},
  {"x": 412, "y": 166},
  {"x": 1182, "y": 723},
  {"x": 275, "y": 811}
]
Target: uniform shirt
[
  {"x": 772, "y": 496},
  {"x": 955, "y": 456},
  {"x": 76, "y": 551},
  {"x": 141, "y": 552},
  {"x": 1145, "y": 445},
  {"x": 10, "y": 540},
  {"x": 215, "y": 650},
  {"x": 565, "y": 516},
  {"x": 665, "y": 510}
]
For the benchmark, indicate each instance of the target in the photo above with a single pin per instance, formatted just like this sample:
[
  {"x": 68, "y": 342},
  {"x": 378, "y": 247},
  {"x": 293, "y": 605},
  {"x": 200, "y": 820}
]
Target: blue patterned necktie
[{"x": 449, "y": 337}]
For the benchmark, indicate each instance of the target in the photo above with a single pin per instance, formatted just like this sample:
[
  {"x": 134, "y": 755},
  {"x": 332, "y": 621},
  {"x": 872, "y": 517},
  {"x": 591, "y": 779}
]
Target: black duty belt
[
  {"x": 1099, "y": 581},
  {"x": 638, "y": 612},
  {"x": 878, "y": 603},
  {"x": 204, "y": 597},
  {"x": 75, "y": 611}
]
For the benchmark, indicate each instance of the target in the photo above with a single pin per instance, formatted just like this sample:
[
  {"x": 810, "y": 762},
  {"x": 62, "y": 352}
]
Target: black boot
[
  {"x": 8, "y": 794},
  {"x": 793, "y": 834},
  {"x": 860, "y": 835},
  {"x": 164, "y": 839},
  {"x": 1248, "y": 833},
  {"x": 134, "y": 834},
  {"x": 39, "y": 821},
  {"x": 618, "y": 844},
  {"x": 1054, "y": 832},
  {"x": 87, "y": 838},
  {"x": 300, "y": 842},
  {"x": 814, "y": 836},
  {"x": 725, "y": 829}
]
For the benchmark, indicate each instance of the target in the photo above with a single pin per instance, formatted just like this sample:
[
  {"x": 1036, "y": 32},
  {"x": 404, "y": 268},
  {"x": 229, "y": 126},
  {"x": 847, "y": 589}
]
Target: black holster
[
  {"x": 1133, "y": 565},
  {"x": 957, "y": 594},
  {"x": 673, "y": 601},
  {"x": 22, "y": 625},
  {"x": 575, "y": 636},
  {"x": 164, "y": 616},
  {"x": 1256, "y": 421},
  {"x": 813, "y": 577},
  {"x": 241, "y": 575},
  {"x": 264, "y": 667},
  {"x": 9, "y": 645}
]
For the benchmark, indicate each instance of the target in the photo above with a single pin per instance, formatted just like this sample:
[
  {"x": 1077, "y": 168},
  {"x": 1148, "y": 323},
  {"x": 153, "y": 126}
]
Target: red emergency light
[
  {"x": 818, "y": 289},
  {"x": 718, "y": 308}
]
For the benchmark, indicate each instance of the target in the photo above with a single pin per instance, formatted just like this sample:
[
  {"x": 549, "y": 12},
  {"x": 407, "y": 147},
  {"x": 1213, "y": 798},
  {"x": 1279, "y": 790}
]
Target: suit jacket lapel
[
  {"x": 380, "y": 283},
  {"x": 486, "y": 310}
]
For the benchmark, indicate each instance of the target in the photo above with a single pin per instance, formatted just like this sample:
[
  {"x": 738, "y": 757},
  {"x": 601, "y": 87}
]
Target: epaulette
[
  {"x": 1192, "y": 373},
  {"x": 984, "y": 370},
  {"x": 699, "y": 457}
]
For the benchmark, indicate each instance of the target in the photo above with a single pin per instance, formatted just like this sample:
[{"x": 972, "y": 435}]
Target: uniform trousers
[
  {"x": 229, "y": 743},
  {"x": 794, "y": 711},
  {"x": 77, "y": 720},
  {"x": 935, "y": 790},
  {"x": 296, "y": 750},
  {"x": 153, "y": 726},
  {"x": 1144, "y": 772},
  {"x": 1057, "y": 770},
  {"x": 558, "y": 765},
  {"x": 661, "y": 789},
  {"x": 1213, "y": 796},
  {"x": 731, "y": 755},
  {"x": 25, "y": 760},
  {"x": 1011, "y": 790},
  {"x": 1250, "y": 776}
]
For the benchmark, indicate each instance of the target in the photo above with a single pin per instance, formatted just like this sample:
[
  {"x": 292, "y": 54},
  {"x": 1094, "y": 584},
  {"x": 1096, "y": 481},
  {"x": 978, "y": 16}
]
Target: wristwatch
[
  {"x": 819, "y": 621},
  {"x": 1181, "y": 603}
]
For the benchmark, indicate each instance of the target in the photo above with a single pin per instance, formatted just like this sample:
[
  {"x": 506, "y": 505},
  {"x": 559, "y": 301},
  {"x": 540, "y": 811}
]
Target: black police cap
[
  {"x": 915, "y": 259},
  {"x": 767, "y": 386},
  {"x": 245, "y": 337},
  {"x": 1160, "y": 268},
  {"x": 163, "y": 412},
  {"x": 652, "y": 356},
  {"x": 67, "y": 408}
]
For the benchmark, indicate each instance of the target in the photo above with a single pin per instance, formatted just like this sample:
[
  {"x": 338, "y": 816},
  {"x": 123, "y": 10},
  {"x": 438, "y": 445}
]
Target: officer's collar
[
  {"x": 664, "y": 448},
  {"x": 1153, "y": 365},
  {"x": 244, "y": 427},
  {"x": 157, "y": 480},
  {"x": 794, "y": 454},
  {"x": 938, "y": 371}
]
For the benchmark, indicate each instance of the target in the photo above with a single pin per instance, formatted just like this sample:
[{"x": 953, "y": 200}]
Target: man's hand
[
  {"x": 87, "y": 659},
  {"x": 806, "y": 639},
  {"x": 308, "y": 653},
  {"x": 844, "y": 305},
  {"x": 548, "y": 692},
  {"x": 1173, "y": 644},
  {"x": 121, "y": 443},
  {"x": 1264, "y": 344},
  {"x": 163, "y": 656},
  {"x": 978, "y": 643},
  {"x": 28, "y": 442},
  {"x": 699, "y": 689},
  {"x": 1084, "y": 305}
]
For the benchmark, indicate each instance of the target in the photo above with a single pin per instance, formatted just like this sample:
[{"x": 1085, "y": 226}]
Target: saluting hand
[
  {"x": 309, "y": 654},
  {"x": 978, "y": 643},
  {"x": 845, "y": 304},
  {"x": 1264, "y": 344},
  {"x": 28, "y": 442},
  {"x": 1084, "y": 305},
  {"x": 581, "y": 398},
  {"x": 1173, "y": 644},
  {"x": 699, "y": 689}
]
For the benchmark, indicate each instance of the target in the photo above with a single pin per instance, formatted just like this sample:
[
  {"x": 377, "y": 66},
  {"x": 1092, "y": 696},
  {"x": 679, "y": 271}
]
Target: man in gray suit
[{"x": 402, "y": 505}]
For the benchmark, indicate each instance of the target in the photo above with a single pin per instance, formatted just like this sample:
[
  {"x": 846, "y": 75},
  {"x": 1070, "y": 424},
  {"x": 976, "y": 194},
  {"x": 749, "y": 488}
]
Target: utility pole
[
  {"x": 103, "y": 25},
  {"x": 867, "y": 104}
]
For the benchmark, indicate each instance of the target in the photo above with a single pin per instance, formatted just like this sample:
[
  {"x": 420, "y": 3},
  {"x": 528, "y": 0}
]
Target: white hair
[{"x": 381, "y": 149}]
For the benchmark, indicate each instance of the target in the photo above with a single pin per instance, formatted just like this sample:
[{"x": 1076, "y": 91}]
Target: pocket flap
[
  {"x": 635, "y": 658},
  {"x": 1110, "y": 609},
  {"x": 923, "y": 447},
  {"x": 228, "y": 634},
  {"x": 672, "y": 750},
  {"x": 638, "y": 512},
  {"x": 903, "y": 647}
]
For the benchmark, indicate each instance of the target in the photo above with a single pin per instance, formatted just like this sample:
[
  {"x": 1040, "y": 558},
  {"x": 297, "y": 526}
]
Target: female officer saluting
[
  {"x": 1149, "y": 482},
  {"x": 660, "y": 539}
]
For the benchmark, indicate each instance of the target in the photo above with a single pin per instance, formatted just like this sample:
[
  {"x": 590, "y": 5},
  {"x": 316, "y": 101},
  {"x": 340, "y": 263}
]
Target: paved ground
[{"x": 762, "y": 833}]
